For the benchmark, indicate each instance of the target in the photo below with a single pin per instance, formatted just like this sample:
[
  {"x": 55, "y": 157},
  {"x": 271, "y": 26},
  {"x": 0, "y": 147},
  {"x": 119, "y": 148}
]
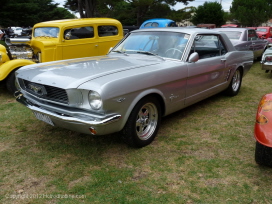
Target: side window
[
  {"x": 107, "y": 30},
  {"x": 252, "y": 35},
  {"x": 208, "y": 46},
  {"x": 155, "y": 25},
  {"x": 79, "y": 33},
  {"x": 148, "y": 24}
]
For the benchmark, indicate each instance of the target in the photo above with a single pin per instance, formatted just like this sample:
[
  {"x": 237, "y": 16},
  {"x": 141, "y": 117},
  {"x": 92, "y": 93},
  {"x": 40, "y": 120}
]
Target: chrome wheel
[
  {"x": 235, "y": 83},
  {"x": 236, "y": 80},
  {"x": 146, "y": 121}
]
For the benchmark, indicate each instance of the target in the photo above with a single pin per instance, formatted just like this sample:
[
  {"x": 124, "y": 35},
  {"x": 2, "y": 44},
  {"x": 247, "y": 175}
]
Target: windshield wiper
[
  {"x": 118, "y": 51},
  {"x": 150, "y": 53}
]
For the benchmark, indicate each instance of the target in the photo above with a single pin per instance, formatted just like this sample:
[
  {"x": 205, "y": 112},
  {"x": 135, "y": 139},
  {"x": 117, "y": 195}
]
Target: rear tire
[
  {"x": 263, "y": 155},
  {"x": 235, "y": 84},
  {"x": 143, "y": 123}
]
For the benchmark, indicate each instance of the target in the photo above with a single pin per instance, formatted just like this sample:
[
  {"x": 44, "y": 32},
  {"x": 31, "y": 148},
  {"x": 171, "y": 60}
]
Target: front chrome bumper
[{"x": 101, "y": 125}]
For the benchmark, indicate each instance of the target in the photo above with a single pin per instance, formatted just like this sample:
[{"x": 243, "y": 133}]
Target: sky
[{"x": 225, "y": 3}]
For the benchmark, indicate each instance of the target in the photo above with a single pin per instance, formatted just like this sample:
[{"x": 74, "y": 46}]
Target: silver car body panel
[{"x": 122, "y": 80}]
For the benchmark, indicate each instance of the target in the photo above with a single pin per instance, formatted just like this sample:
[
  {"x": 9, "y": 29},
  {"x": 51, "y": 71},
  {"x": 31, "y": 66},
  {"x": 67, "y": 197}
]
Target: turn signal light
[{"x": 92, "y": 130}]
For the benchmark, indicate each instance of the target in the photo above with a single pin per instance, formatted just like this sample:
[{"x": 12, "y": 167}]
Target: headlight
[{"x": 95, "y": 100}]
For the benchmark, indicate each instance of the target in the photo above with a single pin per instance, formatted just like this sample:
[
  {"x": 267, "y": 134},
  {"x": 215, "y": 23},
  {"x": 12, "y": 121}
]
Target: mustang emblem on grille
[{"x": 37, "y": 89}]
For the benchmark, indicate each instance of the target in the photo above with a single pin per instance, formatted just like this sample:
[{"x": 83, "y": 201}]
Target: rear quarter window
[{"x": 107, "y": 30}]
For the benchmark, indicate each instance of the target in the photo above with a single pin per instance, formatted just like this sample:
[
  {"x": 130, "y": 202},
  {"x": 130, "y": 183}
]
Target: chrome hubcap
[
  {"x": 147, "y": 120},
  {"x": 236, "y": 80}
]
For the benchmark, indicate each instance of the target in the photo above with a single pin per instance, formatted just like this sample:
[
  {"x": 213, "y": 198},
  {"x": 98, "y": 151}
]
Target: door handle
[
  {"x": 223, "y": 60},
  {"x": 96, "y": 45}
]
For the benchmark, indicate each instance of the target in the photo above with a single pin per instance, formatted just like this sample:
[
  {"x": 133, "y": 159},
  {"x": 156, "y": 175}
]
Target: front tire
[
  {"x": 235, "y": 84},
  {"x": 143, "y": 123},
  {"x": 10, "y": 83},
  {"x": 263, "y": 155}
]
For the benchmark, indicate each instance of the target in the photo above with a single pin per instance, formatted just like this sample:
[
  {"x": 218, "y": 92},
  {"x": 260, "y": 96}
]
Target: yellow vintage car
[{"x": 58, "y": 40}]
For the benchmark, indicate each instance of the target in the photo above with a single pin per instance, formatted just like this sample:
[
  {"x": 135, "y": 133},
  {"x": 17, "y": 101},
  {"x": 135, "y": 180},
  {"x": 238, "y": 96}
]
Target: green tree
[
  {"x": 92, "y": 8},
  {"x": 30, "y": 12},
  {"x": 251, "y": 12},
  {"x": 138, "y": 9},
  {"x": 182, "y": 15},
  {"x": 210, "y": 12}
]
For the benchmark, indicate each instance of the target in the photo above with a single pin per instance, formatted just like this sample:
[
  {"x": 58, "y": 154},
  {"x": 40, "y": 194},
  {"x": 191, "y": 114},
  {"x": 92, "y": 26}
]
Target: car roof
[
  {"x": 79, "y": 21},
  {"x": 233, "y": 29},
  {"x": 157, "y": 19},
  {"x": 178, "y": 29}
]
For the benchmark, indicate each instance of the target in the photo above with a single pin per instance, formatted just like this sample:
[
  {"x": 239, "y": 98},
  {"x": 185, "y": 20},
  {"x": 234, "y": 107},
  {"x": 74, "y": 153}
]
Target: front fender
[
  {"x": 263, "y": 125},
  {"x": 8, "y": 67}
]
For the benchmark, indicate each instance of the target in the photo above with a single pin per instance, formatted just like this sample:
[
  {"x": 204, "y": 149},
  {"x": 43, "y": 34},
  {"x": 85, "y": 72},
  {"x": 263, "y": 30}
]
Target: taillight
[{"x": 268, "y": 58}]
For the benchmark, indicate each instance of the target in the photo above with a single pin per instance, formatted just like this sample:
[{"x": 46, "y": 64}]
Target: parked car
[
  {"x": 207, "y": 26},
  {"x": 151, "y": 73},
  {"x": 27, "y": 31},
  {"x": 127, "y": 29},
  {"x": 266, "y": 61},
  {"x": 58, "y": 40},
  {"x": 263, "y": 131},
  {"x": 246, "y": 39},
  {"x": 8, "y": 33},
  {"x": 254, "y": 28},
  {"x": 264, "y": 32},
  {"x": 158, "y": 23},
  {"x": 17, "y": 31},
  {"x": 230, "y": 26}
]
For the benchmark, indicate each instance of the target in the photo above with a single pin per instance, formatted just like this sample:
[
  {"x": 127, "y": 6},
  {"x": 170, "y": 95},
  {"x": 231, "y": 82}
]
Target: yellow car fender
[{"x": 8, "y": 67}]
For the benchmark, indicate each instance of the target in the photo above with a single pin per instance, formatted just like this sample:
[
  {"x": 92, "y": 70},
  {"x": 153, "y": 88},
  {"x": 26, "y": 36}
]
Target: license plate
[{"x": 43, "y": 118}]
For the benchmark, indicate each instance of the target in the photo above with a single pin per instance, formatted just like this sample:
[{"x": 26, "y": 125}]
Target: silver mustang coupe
[{"x": 151, "y": 73}]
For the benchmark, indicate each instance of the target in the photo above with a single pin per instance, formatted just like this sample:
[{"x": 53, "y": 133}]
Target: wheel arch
[
  {"x": 12, "y": 65},
  {"x": 148, "y": 93}
]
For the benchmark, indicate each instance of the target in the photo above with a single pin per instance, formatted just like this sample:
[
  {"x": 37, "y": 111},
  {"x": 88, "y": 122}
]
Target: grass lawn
[{"x": 203, "y": 154}]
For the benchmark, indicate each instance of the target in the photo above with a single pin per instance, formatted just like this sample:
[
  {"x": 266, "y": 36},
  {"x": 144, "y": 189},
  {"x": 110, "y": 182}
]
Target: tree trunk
[{"x": 80, "y": 9}]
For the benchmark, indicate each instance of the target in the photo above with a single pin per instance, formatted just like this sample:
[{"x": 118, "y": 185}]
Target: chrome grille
[{"x": 50, "y": 92}]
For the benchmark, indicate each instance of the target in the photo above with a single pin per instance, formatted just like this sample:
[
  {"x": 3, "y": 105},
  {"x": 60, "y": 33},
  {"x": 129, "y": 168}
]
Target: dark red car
[{"x": 264, "y": 32}]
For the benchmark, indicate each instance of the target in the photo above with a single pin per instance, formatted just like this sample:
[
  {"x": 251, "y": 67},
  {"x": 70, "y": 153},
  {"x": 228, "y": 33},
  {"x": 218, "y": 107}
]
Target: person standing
[{"x": 1, "y": 34}]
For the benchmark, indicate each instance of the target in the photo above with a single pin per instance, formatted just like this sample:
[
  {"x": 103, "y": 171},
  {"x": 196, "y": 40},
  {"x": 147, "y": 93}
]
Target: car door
[
  {"x": 258, "y": 45},
  {"x": 206, "y": 76},
  {"x": 79, "y": 41}
]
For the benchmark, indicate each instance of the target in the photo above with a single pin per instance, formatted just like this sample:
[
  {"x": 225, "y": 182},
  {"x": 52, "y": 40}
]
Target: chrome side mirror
[{"x": 194, "y": 57}]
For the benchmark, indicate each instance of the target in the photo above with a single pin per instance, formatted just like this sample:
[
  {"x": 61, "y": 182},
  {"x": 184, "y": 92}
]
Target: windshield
[
  {"x": 261, "y": 30},
  {"x": 233, "y": 35},
  {"x": 46, "y": 32},
  {"x": 163, "y": 44}
]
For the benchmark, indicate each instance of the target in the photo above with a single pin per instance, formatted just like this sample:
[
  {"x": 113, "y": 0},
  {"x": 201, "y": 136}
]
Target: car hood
[{"x": 72, "y": 73}]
